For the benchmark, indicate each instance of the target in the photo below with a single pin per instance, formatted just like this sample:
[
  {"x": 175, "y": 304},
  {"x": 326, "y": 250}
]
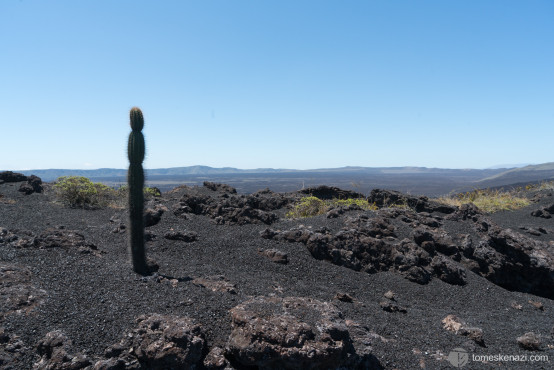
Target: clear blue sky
[{"x": 282, "y": 84}]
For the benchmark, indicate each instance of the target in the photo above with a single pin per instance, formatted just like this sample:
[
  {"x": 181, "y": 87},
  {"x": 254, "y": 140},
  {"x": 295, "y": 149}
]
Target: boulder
[
  {"x": 529, "y": 341},
  {"x": 53, "y": 352},
  {"x": 33, "y": 185},
  {"x": 152, "y": 216},
  {"x": 544, "y": 212},
  {"x": 159, "y": 342},
  {"x": 290, "y": 333},
  {"x": 215, "y": 360}
]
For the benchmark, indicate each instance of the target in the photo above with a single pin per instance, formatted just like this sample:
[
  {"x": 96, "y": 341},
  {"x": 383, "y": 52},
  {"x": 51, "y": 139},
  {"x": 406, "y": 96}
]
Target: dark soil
[{"x": 93, "y": 296}]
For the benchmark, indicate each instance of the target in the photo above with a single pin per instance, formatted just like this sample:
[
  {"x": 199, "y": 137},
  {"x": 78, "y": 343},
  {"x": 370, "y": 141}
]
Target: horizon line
[{"x": 510, "y": 166}]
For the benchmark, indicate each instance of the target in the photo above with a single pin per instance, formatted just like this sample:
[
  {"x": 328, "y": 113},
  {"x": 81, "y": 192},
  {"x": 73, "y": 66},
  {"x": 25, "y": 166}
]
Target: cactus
[{"x": 135, "y": 179}]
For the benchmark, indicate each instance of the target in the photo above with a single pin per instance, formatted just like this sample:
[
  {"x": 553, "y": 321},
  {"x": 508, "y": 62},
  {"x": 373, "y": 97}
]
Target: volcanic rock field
[{"x": 242, "y": 286}]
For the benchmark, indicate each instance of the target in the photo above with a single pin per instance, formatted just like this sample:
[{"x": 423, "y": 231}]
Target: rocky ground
[{"x": 240, "y": 286}]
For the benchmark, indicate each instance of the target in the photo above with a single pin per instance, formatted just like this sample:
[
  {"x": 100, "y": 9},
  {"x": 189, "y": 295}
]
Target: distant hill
[
  {"x": 504, "y": 166},
  {"x": 413, "y": 180},
  {"x": 52, "y": 174},
  {"x": 527, "y": 174}
]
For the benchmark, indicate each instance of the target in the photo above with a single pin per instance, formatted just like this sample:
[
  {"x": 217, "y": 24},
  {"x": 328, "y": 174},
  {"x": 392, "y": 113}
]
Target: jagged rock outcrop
[
  {"x": 516, "y": 262},
  {"x": 370, "y": 245},
  {"x": 291, "y": 333},
  {"x": 226, "y": 207},
  {"x": 53, "y": 352},
  {"x": 466, "y": 211},
  {"x": 330, "y": 192},
  {"x": 9, "y": 176},
  {"x": 215, "y": 360},
  {"x": 369, "y": 242},
  {"x": 387, "y": 198},
  {"x": 158, "y": 342},
  {"x": 12, "y": 349}
]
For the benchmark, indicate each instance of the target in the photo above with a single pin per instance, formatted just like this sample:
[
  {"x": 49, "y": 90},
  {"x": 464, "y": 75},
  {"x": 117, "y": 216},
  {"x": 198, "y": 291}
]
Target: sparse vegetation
[
  {"x": 152, "y": 192},
  {"x": 80, "y": 192},
  {"x": 488, "y": 200},
  {"x": 544, "y": 185},
  {"x": 401, "y": 203},
  {"x": 360, "y": 202},
  {"x": 312, "y": 206},
  {"x": 307, "y": 207}
]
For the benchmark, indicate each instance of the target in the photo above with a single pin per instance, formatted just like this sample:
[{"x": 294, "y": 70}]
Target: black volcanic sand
[{"x": 94, "y": 298}]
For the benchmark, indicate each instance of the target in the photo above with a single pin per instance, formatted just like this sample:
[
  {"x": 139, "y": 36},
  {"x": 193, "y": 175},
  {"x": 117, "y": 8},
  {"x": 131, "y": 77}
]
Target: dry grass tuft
[
  {"x": 312, "y": 206},
  {"x": 487, "y": 200}
]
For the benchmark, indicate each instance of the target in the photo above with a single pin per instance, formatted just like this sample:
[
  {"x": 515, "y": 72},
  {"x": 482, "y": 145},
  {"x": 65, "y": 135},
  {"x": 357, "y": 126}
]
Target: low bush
[
  {"x": 78, "y": 191},
  {"x": 307, "y": 207},
  {"x": 152, "y": 192},
  {"x": 81, "y": 192}
]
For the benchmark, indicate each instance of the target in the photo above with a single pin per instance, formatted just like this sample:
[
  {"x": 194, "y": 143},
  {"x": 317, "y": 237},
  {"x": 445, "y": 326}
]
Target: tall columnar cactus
[{"x": 135, "y": 179}]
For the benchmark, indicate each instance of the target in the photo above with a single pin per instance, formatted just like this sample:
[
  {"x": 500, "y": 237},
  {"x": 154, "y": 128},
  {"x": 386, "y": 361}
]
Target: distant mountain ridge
[
  {"x": 413, "y": 180},
  {"x": 52, "y": 174}
]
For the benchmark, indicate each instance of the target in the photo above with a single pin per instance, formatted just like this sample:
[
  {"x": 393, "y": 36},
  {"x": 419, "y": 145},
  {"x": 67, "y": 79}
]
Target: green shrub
[
  {"x": 78, "y": 191},
  {"x": 151, "y": 192},
  {"x": 308, "y": 207}
]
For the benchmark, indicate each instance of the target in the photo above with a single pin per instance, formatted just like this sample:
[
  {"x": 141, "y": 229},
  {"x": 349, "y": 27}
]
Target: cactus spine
[{"x": 135, "y": 179}]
